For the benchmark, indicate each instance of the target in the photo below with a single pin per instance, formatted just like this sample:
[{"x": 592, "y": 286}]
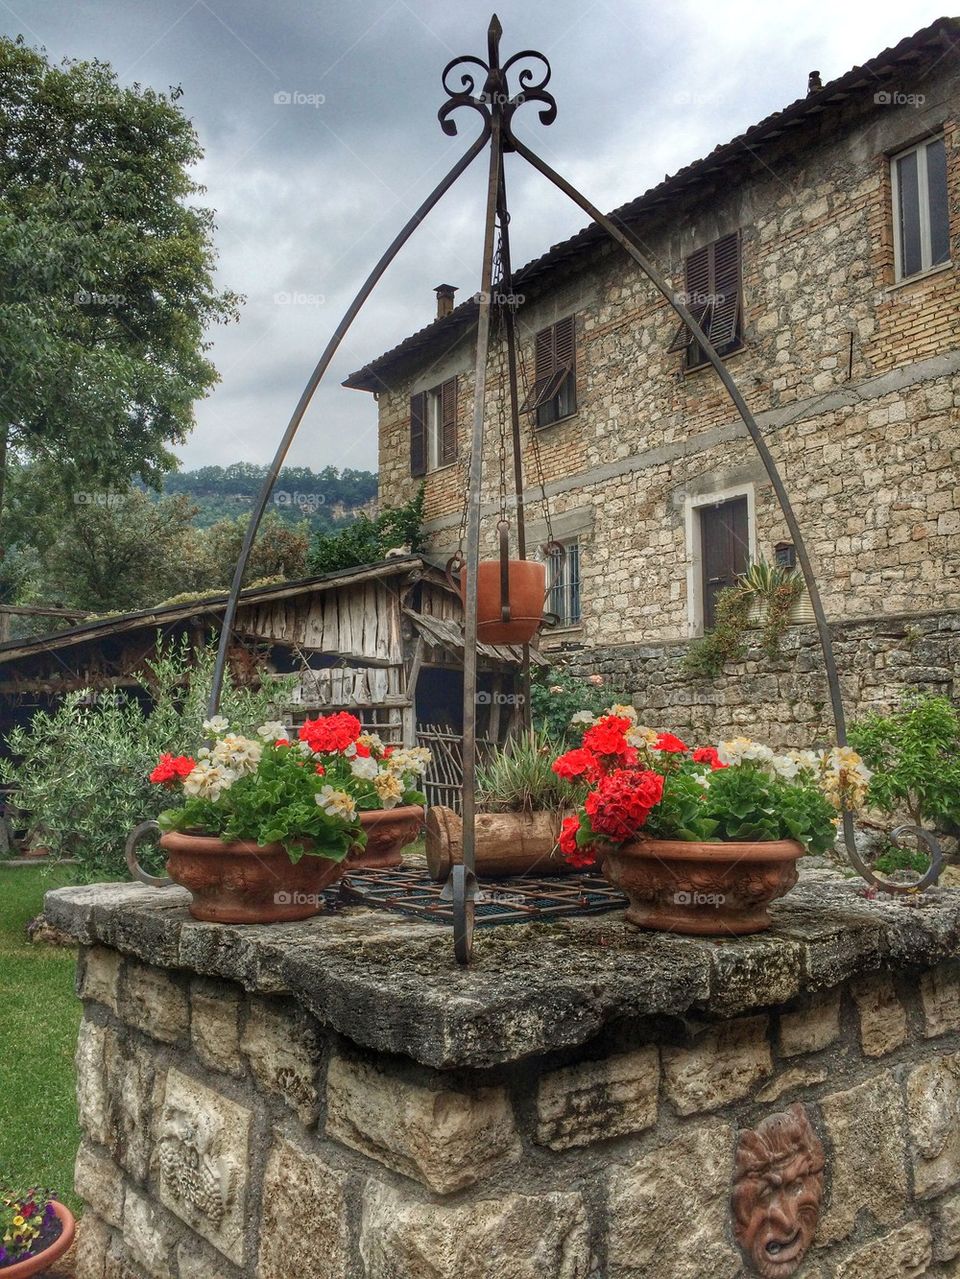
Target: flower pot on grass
[
  {"x": 388, "y": 832},
  {"x": 702, "y": 889},
  {"x": 49, "y": 1252}
]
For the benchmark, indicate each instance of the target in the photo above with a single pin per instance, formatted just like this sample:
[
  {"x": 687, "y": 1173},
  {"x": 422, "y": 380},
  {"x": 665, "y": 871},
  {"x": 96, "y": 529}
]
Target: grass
[{"x": 39, "y": 1018}]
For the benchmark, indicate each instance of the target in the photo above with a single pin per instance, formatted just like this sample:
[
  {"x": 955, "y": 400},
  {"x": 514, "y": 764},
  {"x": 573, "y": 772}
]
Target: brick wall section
[{"x": 857, "y": 381}]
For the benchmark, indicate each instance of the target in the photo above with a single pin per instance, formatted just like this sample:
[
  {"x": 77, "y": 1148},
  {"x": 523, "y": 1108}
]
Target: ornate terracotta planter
[
  {"x": 44, "y": 1260},
  {"x": 242, "y": 883},
  {"x": 527, "y": 590},
  {"x": 703, "y": 889},
  {"x": 389, "y": 831}
]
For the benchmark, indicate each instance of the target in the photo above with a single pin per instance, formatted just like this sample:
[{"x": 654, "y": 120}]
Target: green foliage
[
  {"x": 366, "y": 540},
  {"x": 520, "y": 778},
  {"x": 106, "y": 272},
  {"x": 80, "y": 772},
  {"x": 556, "y": 696},
  {"x": 769, "y": 589},
  {"x": 915, "y": 757},
  {"x": 892, "y": 858},
  {"x": 707, "y": 656}
]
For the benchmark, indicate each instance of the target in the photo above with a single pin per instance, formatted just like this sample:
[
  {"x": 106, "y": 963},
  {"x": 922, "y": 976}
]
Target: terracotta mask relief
[{"x": 777, "y": 1189}]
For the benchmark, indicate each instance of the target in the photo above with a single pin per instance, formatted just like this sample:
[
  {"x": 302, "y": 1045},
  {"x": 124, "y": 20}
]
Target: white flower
[
  {"x": 216, "y": 725},
  {"x": 414, "y": 760},
  {"x": 373, "y": 742},
  {"x": 336, "y": 803},
  {"x": 389, "y": 788},
  {"x": 584, "y": 717},
  {"x": 365, "y": 767},
  {"x": 350, "y": 751},
  {"x": 304, "y": 748},
  {"x": 623, "y": 711},
  {"x": 241, "y": 754},
  {"x": 640, "y": 735},
  {"x": 207, "y": 781},
  {"x": 272, "y": 731}
]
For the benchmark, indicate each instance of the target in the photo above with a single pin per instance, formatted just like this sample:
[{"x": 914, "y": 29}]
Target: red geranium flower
[
  {"x": 606, "y": 737},
  {"x": 171, "y": 768},
  {"x": 330, "y": 733},
  {"x": 708, "y": 755},
  {"x": 672, "y": 745},
  {"x": 573, "y": 854},
  {"x": 363, "y": 752},
  {"x": 576, "y": 763},
  {"x": 622, "y": 802}
]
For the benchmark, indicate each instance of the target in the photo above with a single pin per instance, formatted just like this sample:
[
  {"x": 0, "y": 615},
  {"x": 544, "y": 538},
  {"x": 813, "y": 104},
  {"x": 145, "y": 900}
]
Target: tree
[
  {"x": 280, "y": 549},
  {"x": 365, "y": 540},
  {"x": 105, "y": 274}
]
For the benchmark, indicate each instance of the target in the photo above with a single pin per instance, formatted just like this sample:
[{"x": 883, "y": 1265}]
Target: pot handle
[
  {"x": 503, "y": 530},
  {"x": 453, "y": 567},
  {"x": 135, "y": 838}
]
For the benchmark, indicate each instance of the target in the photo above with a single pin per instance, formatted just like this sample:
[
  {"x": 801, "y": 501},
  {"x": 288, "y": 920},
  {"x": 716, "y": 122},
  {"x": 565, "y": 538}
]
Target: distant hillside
[{"x": 328, "y": 499}]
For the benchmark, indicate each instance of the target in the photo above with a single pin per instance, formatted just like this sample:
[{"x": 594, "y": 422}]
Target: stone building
[{"x": 820, "y": 251}]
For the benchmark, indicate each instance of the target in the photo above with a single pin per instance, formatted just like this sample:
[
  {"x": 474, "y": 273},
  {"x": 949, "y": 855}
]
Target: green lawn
[{"x": 39, "y": 1017}]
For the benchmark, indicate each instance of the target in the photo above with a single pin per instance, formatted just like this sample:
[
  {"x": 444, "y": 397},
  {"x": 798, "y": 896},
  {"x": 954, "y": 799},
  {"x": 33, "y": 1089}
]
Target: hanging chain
[
  {"x": 497, "y": 304},
  {"x": 535, "y": 449}
]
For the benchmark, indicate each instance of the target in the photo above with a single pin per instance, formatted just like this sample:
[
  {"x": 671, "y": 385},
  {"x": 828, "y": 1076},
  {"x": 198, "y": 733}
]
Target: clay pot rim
[
  {"x": 41, "y": 1261},
  {"x": 179, "y": 841},
  {"x": 771, "y": 850}
]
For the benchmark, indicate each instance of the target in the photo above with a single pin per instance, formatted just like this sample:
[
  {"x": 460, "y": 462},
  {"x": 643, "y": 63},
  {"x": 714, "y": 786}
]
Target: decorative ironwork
[{"x": 495, "y": 96}]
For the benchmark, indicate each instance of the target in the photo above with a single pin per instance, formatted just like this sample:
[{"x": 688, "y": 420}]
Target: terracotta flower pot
[
  {"x": 242, "y": 883},
  {"x": 388, "y": 830},
  {"x": 527, "y": 591},
  {"x": 704, "y": 889},
  {"x": 42, "y": 1261}
]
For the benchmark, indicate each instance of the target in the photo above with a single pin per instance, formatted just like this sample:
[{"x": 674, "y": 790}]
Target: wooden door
[{"x": 724, "y": 550}]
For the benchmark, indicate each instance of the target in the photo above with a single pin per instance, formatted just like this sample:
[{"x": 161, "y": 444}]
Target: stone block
[
  {"x": 933, "y": 1113},
  {"x": 867, "y": 1166},
  {"x": 948, "y": 1229},
  {"x": 153, "y": 1002},
  {"x": 195, "y": 1260},
  {"x": 669, "y": 1212},
  {"x": 790, "y": 1081},
  {"x": 940, "y": 996},
  {"x": 303, "y": 1224},
  {"x": 901, "y": 1254},
  {"x": 93, "y": 1098},
  {"x": 91, "y": 1247},
  {"x": 724, "y": 1063},
  {"x": 883, "y": 1018},
  {"x": 446, "y": 1137},
  {"x": 812, "y": 1026},
  {"x": 148, "y": 1235},
  {"x": 513, "y": 1236},
  {"x": 284, "y": 1054},
  {"x": 98, "y": 975},
  {"x": 99, "y": 1183},
  {"x": 203, "y": 1161},
  {"x": 215, "y": 1026},
  {"x": 595, "y": 1100}
]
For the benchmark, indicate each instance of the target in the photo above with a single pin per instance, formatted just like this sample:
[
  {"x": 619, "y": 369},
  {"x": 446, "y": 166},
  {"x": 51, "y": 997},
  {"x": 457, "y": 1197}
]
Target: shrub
[
  {"x": 556, "y": 696},
  {"x": 520, "y": 778},
  {"x": 81, "y": 772}
]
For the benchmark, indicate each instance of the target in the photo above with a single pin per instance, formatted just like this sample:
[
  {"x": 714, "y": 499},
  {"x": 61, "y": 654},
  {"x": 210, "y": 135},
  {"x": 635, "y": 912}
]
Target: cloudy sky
[{"x": 318, "y": 120}]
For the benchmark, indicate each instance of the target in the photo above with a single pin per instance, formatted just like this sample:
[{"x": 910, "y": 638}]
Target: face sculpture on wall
[{"x": 777, "y": 1189}]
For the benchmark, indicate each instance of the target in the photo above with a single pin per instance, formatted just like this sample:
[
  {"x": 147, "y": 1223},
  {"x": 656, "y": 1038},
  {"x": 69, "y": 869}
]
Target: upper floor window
[
  {"x": 713, "y": 289},
  {"x": 433, "y": 428},
  {"x": 554, "y": 392},
  {"x": 563, "y": 574},
  {"x": 921, "y": 220}
]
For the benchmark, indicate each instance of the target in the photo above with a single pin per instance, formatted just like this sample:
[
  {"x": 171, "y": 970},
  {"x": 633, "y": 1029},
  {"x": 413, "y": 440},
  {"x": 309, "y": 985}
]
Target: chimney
[
  {"x": 444, "y": 294},
  {"x": 813, "y": 82}
]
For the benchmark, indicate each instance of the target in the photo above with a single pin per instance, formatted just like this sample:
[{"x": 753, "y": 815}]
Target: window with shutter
[
  {"x": 713, "y": 289},
  {"x": 553, "y": 394},
  {"x": 921, "y": 208},
  {"x": 433, "y": 428}
]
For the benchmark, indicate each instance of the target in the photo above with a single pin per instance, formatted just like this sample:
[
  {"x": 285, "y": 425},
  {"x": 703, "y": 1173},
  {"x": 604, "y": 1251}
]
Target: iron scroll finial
[{"x": 495, "y": 96}]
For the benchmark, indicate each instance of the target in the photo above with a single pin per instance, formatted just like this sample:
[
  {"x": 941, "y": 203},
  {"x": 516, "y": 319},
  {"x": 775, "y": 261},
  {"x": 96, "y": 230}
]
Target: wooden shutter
[
  {"x": 698, "y": 296},
  {"x": 554, "y": 363},
  {"x": 448, "y": 424},
  {"x": 724, "y": 550},
  {"x": 418, "y": 434},
  {"x": 725, "y": 287}
]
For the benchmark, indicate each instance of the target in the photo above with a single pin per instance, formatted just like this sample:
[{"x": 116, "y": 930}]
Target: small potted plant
[
  {"x": 702, "y": 841},
  {"x": 261, "y": 829},
  {"x": 382, "y": 780},
  {"x": 35, "y": 1231}
]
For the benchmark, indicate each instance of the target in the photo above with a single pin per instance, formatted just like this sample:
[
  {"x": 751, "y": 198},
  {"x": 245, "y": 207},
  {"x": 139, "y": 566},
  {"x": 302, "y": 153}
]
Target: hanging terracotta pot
[{"x": 526, "y": 588}]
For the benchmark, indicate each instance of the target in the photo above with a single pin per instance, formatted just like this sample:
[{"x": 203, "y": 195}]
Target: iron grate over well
[{"x": 409, "y": 890}]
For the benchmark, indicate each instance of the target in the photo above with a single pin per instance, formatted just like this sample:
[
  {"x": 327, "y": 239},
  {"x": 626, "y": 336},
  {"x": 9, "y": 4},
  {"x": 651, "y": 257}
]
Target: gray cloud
[{"x": 308, "y": 192}]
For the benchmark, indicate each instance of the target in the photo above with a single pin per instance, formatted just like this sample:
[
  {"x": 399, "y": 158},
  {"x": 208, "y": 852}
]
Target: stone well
[{"x": 337, "y": 1100}]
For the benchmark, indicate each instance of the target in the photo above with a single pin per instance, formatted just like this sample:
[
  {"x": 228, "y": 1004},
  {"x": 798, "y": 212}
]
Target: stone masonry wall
[
  {"x": 783, "y": 702},
  {"x": 229, "y": 1134}
]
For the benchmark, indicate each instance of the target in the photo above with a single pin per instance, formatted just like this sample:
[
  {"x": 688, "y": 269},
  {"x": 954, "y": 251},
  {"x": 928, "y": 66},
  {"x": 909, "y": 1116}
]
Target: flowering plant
[
  {"x": 739, "y": 790},
  {"x": 305, "y": 794},
  {"x": 28, "y": 1224}
]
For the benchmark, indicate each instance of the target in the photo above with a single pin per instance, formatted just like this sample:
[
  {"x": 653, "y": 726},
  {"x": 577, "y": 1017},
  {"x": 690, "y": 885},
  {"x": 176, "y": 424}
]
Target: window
[
  {"x": 921, "y": 220},
  {"x": 433, "y": 428},
  {"x": 713, "y": 289},
  {"x": 724, "y": 550},
  {"x": 563, "y": 577},
  {"x": 554, "y": 392}
]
